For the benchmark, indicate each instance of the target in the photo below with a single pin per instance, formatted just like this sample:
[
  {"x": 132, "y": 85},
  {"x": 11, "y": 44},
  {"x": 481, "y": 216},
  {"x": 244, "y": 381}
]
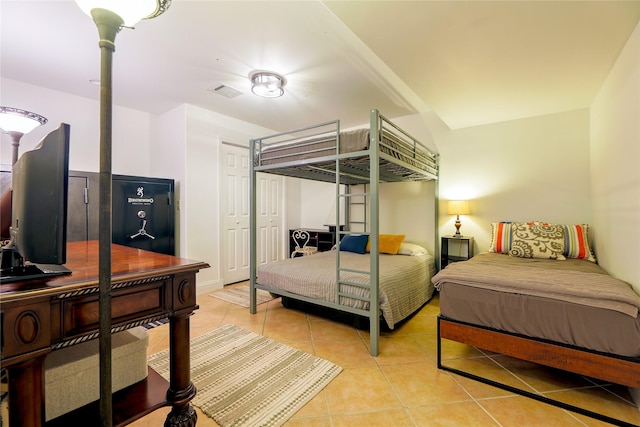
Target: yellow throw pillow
[{"x": 388, "y": 243}]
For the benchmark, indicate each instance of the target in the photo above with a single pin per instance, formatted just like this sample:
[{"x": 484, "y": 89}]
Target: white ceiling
[{"x": 471, "y": 62}]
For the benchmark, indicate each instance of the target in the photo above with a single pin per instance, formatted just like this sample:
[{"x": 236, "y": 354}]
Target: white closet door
[
  {"x": 271, "y": 233},
  {"x": 235, "y": 215}
]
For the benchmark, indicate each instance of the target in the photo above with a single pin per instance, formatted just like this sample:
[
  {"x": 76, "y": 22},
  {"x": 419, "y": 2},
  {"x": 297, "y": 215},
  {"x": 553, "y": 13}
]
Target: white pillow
[{"x": 411, "y": 249}]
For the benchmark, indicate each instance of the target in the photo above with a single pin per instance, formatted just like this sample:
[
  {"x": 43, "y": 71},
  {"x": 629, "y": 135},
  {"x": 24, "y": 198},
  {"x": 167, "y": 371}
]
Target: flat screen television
[{"x": 38, "y": 236}]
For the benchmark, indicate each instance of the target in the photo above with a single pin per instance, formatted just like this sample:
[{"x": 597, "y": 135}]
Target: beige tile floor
[{"x": 402, "y": 386}]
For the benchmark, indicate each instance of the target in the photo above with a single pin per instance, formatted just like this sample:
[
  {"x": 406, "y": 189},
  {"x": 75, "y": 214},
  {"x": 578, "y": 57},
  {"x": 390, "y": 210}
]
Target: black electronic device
[{"x": 40, "y": 182}]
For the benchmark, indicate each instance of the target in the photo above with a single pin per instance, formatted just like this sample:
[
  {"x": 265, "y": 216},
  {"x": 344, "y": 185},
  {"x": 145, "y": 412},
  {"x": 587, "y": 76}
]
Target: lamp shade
[
  {"x": 131, "y": 11},
  {"x": 19, "y": 121},
  {"x": 458, "y": 207}
]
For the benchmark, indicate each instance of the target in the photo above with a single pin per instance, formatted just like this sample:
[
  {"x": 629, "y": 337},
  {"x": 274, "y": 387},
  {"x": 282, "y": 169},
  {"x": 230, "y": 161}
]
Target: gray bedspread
[
  {"x": 579, "y": 282},
  {"x": 404, "y": 280}
]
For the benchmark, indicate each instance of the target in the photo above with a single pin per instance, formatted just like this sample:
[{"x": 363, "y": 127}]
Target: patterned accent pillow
[
  {"x": 576, "y": 242},
  {"x": 537, "y": 240},
  {"x": 500, "y": 237}
]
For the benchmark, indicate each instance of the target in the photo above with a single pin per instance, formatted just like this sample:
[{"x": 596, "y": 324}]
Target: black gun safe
[{"x": 143, "y": 214}]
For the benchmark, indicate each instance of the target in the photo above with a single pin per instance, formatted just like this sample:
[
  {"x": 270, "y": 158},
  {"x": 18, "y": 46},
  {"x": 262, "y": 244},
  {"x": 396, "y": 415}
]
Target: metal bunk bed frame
[{"x": 417, "y": 163}]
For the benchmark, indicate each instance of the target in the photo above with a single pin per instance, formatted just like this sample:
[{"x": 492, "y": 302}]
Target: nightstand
[{"x": 455, "y": 249}]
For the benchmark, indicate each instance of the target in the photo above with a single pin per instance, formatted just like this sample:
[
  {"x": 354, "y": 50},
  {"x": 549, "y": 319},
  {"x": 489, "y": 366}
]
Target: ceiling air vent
[{"x": 225, "y": 90}]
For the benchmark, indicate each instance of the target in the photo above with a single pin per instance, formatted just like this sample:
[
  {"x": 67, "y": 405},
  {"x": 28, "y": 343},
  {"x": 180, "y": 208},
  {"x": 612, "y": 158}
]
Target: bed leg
[
  {"x": 374, "y": 332},
  {"x": 635, "y": 395},
  {"x": 252, "y": 298},
  {"x": 439, "y": 346}
]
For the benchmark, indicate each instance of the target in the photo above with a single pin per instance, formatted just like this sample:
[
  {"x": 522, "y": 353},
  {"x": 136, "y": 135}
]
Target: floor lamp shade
[
  {"x": 16, "y": 122},
  {"x": 131, "y": 11}
]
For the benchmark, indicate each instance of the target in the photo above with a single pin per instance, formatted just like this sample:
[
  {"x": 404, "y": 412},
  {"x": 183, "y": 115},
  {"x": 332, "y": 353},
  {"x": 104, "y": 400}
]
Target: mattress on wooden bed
[
  {"x": 405, "y": 281},
  {"x": 350, "y": 142},
  {"x": 600, "y": 325}
]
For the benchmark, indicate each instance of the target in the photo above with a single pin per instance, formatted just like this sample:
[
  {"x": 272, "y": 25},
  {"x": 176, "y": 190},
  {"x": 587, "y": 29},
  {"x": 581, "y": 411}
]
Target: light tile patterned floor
[{"x": 403, "y": 387}]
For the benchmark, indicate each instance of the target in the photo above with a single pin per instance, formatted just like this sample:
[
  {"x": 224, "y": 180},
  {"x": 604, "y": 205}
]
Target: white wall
[
  {"x": 293, "y": 203},
  {"x": 130, "y": 137},
  {"x": 615, "y": 166},
  {"x": 318, "y": 204},
  {"x": 521, "y": 170},
  {"x": 168, "y": 160}
]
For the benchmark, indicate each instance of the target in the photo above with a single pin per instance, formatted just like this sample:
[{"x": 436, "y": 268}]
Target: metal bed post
[
  {"x": 252, "y": 231},
  {"x": 374, "y": 232},
  {"x": 436, "y": 220},
  {"x": 347, "y": 204},
  {"x": 338, "y": 197}
]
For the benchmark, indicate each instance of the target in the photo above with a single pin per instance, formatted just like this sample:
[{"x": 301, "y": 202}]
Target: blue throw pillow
[{"x": 355, "y": 244}]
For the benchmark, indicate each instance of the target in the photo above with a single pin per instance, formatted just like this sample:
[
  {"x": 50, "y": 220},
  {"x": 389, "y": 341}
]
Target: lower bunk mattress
[
  {"x": 404, "y": 281},
  {"x": 571, "y": 302}
]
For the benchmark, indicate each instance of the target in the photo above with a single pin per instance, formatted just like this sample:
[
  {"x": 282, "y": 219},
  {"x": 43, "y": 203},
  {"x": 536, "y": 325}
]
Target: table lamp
[{"x": 458, "y": 207}]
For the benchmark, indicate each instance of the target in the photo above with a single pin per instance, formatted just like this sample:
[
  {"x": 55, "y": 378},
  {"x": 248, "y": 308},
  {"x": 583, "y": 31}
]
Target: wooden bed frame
[{"x": 607, "y": 367}]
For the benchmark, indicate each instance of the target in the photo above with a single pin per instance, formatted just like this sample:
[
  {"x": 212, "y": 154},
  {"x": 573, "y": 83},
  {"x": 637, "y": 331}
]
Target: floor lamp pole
[
  {"x": 15, "y": 145},
  {"x": 108, "y": 24}
]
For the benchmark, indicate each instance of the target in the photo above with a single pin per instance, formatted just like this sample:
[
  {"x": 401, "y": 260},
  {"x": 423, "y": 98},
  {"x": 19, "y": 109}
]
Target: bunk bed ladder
[
  {"x": 356, "y": 206},
  {"x": 355, "y": 224},
  {"x": 343, "y": 292}
]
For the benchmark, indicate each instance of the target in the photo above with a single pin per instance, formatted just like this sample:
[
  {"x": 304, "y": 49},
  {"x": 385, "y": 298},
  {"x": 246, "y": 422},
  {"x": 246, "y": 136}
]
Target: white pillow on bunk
[{"x": 411, "y": 249}]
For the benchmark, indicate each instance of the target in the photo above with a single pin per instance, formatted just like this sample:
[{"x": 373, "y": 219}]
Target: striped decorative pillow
[
  {"x": 500, "y": 237},
  {"x": 576, "y": 242}
]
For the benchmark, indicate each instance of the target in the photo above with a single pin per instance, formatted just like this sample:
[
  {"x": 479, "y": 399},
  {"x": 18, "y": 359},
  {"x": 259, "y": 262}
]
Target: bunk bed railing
[
  {"x": 405, "y": 147},
  {"x": 304, "y": 137},
  {"x": 316, "y": 147}
]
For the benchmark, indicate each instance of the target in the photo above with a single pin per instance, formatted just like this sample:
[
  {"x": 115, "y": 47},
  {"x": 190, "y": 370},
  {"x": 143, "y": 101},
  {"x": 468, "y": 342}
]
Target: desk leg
[
  {"x": 26, "y": 380},
  {"x": 181, "y": 389}
]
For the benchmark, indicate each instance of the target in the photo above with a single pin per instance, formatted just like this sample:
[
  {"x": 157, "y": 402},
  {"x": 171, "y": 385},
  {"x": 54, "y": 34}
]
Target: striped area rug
[
  {"x": 246, "y": 379},
  {"x": 239, "y": 295}
]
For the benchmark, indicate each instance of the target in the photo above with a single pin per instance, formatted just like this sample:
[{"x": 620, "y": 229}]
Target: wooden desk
[{"x": 39, "y": 317}]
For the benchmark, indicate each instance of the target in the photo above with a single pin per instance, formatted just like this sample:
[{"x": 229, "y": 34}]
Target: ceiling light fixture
[
  {"x": 267, "y": 84},
  {"x": 16, "y": 123}
]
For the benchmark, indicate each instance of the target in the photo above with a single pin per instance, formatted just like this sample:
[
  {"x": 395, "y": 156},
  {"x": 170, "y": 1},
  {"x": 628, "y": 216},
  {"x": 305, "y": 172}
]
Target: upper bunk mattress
[
  {"x": 405, "y": 281},
  {"x": 354, "y": 141},
  {"x": 350, "y": 141},
  {"x": 572, "y": 302}
]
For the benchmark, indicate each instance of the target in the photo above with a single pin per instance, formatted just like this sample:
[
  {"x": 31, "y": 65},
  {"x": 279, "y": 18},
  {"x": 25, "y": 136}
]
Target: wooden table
[{"x": 39, "y": 317}]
